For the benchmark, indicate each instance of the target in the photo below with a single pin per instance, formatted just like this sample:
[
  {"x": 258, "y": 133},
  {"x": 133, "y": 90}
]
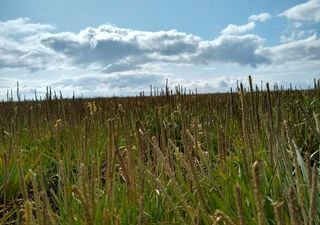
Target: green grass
[{"x": 244, "y": 158}]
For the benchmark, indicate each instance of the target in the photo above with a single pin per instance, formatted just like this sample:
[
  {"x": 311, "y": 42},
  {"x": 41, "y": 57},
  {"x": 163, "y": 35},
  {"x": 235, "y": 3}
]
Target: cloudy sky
[{"x": 105, "y": 47}]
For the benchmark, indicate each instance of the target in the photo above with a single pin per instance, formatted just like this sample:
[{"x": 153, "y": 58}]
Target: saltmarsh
[{"x": 246, "y": 157}]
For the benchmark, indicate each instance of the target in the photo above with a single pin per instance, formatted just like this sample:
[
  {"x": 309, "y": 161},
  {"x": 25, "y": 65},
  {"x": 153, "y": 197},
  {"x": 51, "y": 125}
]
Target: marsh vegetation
[{"x": 245, "y": 157}]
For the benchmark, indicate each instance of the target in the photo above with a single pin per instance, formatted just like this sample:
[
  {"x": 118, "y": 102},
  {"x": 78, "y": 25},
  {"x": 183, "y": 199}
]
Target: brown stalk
[
  {"x": 277, "y": 209},
  {"x": 313, "y": 197},
  {"x": 240, "y": 211},
  {"x": 295, "y": 217},
  {"x": 257, "y": 195}
]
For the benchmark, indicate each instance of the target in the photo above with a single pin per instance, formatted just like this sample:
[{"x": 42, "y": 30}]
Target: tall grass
[{"x": 246, "y": 157}]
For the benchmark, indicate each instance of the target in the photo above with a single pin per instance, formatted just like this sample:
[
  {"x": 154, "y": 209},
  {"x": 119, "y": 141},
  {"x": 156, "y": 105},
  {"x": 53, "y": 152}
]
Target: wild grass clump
[{"x": 240, "y": 158}]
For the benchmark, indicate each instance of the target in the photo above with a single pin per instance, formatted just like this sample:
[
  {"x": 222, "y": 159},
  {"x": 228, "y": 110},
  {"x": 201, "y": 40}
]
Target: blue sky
[{"x": 121, "y": 47}]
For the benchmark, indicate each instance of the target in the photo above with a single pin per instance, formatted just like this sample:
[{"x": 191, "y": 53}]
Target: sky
[{"x": 106, "y": 48}]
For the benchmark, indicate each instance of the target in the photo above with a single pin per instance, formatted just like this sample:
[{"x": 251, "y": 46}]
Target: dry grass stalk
[
  {"x": 257, "y": 194},
  {"x": 298, "y": 171},
  {"x": 192, "y": 169},
  {"x": 22, "y": 182},
  {"x": 293, "y": 208},
  {"x": 28, "y": 216},
  {"x": 277, "y": 209},
  {"x": 313, "y": 197},
  {"x": 240, "y": 211},
  {"x": 37, "y": 197}
]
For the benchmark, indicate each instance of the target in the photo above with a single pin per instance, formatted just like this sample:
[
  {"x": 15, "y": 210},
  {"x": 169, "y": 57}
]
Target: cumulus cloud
[
  {"x": 307, "y": 49},
  {"x": 243, "y": 50},
  {"x": 296, "y": 34},
  {"x": 309, "y": 11},
  {"x": 114, "y": 47},
  {"x": 262, "y": 17},
  {"x": 107, "y": 60},
  {"x": 123, "y": 65},
  {"x": 238, "y": 29},
  {"x": 24, "y": 55},
  {"x": 22, "y": 26},
  {"x": 109, "y": 49},
  {"x": 20, "y": 46}
]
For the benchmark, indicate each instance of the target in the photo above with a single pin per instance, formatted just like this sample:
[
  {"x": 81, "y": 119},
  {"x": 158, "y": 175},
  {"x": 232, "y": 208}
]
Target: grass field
[{"x": 246, "y": 157}]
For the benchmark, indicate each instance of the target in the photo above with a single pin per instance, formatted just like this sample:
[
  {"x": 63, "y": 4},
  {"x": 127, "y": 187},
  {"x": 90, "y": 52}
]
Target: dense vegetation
[{"x": 245, "y": 157}]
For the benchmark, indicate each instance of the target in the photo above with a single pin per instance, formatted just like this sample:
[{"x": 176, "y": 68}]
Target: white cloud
[
  {"x": 243, "y": 50},
  {"x": 25, "y": 54},
  {"x": 123, "y": 61},
  {"x": 120, "y": 81},
  {"x": 109, "y": 49},
  {"x": 128, "y": 84},
  {"x": 295, "y": 35},
  {"x": 220, "y": 84},
  {"x": 297, "y": 30},
  {"x": 238, "y": 29},
  {"x": 309, "y": 11},
  {"x": 112, "y": 49},
  {"x": 307, "y": 49},
  {"x": 20, "y": 46},
  {"x": 22, "y": 26},
  {"x": 262, "y": 17},
  {"x": 296, "y": 25},
  {"x": 5, "y": 82}
]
